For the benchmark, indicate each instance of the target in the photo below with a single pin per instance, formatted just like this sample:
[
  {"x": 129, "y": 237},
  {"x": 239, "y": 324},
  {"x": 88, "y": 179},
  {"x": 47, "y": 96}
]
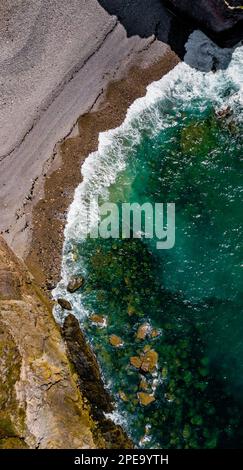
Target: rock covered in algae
[
  {"x": 123, "y": 396},
  {"x": 149, "y": 361},
  {"x": 89, "y": 377},
  {"x": 155, "y": 333},
  {"x": 116, "y": 341},
  {"x": 145, "y": 399}
]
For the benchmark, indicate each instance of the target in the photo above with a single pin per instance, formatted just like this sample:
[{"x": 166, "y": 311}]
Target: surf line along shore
[{"x": 122, "y": 459}]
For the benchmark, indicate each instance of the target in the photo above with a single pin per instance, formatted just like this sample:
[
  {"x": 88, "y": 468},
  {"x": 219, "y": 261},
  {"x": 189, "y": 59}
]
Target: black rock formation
[
  {"x": 171, "y": 21},
  {"x": 222, "y": 19}
]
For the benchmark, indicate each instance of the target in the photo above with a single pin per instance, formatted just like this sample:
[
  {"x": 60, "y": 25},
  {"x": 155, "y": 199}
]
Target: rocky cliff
[{"x": 41, "y": 405}]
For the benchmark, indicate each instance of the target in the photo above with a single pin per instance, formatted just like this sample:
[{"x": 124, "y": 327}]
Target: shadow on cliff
[{"x": 148, "y": 17}]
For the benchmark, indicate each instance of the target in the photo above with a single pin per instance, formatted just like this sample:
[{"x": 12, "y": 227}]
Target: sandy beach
[{"x": 57, "y": 109}]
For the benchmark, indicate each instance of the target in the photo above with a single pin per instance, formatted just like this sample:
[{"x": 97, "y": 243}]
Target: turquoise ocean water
[{"x": 171, "y": 148}]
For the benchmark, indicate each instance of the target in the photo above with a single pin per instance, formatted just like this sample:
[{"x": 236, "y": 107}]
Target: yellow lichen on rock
[{"x": 145, "y": 399}]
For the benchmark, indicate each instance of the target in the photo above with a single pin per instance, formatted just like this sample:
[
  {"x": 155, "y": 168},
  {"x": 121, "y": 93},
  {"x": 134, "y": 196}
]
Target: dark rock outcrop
[
  {"x": 220, "y": 17},
  {"x": 91, "y": 384}
]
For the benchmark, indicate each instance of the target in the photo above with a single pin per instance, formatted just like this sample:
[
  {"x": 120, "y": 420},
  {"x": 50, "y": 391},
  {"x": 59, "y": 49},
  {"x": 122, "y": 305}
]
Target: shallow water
[{"x": 171, "y": 148}]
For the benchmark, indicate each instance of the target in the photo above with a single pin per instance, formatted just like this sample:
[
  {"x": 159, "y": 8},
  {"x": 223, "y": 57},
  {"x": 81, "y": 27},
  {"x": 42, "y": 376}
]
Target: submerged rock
[
  {"x": 218, "y": 16},
  {"x": 131, "y": 310},
  {"x": 65, "y": 304},
  {"x": 136, "y": 362},
  {"x": 144, "y": 385},
  {"x": 149, "y": 361},
  {"x": 123, "y": 396},
  {"x": 109, "y": 434},
  {"x": 145, "y": 399},
  {"x": 155, "y": 333},
  {"x": 116, "y": 341},
  {"x": 98, "y": 320},
  {"x": 75, "y": 284},
  {"x": 143, "y": 331}
]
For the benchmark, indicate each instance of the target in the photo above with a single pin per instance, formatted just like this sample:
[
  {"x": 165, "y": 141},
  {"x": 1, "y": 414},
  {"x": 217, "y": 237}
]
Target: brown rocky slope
[{"x": 41, "y": 405}]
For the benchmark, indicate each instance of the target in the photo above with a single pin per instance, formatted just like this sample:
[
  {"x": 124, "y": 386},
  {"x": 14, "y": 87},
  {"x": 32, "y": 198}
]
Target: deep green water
[{"x": 192, "y": 294}]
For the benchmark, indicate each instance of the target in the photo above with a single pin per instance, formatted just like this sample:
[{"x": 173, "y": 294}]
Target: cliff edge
[{"x": 41, "y": 405}]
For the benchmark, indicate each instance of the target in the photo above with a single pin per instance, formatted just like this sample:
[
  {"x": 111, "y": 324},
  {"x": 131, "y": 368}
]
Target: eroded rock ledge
[
  {"x": 41, "y": 405},
  {"x": 222, "y": 18}
]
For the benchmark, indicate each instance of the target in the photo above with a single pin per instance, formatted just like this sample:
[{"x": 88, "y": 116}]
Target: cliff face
[
  {"x": 40, "y": 403},
  {"x": 216, "y": 15}
]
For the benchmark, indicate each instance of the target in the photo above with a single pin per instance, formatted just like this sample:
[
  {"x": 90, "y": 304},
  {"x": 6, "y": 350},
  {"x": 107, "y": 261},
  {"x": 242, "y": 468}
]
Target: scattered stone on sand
[
  {"x": 145, "y": 399},
  {"x": 149, "y": 361},
  {"x": 65, "y": 304},
  {"x": 116, "y": 341},
  {"x": 75, "y": 283},
  {"x": 136, "y": 362},
  {"x": 98, "y": 320},
  {"x": 123, "y": 396},
  {"x": 143, "y": 331}
]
